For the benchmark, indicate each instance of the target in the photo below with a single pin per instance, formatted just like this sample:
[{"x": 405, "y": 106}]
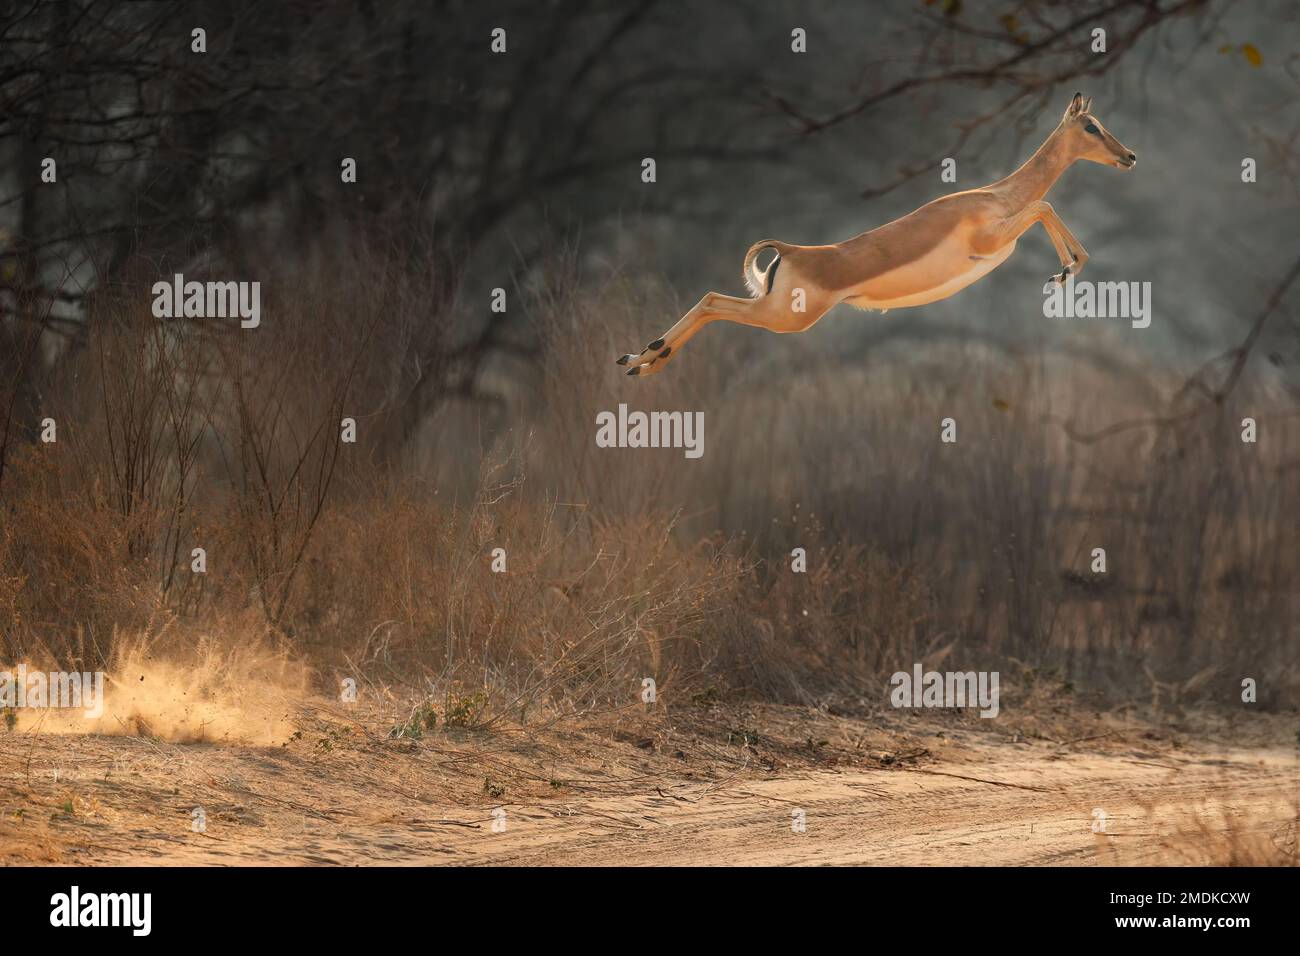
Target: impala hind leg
[{"x": 713, "y": 306}]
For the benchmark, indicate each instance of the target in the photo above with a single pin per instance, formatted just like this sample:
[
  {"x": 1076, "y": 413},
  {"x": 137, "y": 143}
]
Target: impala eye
[{"x": 1092, "y": 129}]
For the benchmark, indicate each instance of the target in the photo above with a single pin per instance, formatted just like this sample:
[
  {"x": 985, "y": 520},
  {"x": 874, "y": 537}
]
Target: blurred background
[{"x": 521, "y": 170}]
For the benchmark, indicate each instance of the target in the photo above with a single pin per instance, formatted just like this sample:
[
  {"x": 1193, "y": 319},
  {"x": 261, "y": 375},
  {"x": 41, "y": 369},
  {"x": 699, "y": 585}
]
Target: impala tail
[{"x": 758, "y": 280}]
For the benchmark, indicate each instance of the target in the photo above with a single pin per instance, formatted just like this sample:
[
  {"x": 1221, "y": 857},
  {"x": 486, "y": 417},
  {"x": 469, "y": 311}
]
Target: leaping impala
[{"x": 923, "y": 257}]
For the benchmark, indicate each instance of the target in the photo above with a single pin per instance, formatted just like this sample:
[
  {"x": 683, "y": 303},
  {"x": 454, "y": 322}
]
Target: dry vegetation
[
  {"x": 631, "y": 563},
  {"x": 1223, "y": 838}
]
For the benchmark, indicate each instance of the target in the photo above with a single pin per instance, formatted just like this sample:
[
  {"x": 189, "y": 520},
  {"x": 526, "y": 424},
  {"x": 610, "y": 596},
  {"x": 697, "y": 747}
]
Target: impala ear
[
  {"x": 1076, "y": 105},
  {"x": 1087, "y": 104}
]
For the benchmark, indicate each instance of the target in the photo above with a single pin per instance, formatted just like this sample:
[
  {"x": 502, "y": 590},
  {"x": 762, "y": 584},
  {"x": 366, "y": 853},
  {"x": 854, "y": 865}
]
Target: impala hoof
[
  {"x": 625, "y": 359},
  {"x": 656, "y": 344},
  {"x": 634, "y": 371}
]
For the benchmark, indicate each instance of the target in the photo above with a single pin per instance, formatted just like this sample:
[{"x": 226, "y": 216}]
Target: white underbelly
[{"x": 922, "y": 289}]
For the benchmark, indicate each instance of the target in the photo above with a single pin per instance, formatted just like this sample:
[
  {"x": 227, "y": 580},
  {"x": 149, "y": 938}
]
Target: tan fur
[{"x": 927, "y": 255}]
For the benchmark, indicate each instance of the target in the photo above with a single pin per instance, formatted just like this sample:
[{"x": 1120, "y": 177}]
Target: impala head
[{"x": 1089, "y": 140}]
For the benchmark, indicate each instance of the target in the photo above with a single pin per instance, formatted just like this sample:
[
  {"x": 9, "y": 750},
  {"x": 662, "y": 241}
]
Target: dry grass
[
  {"x": 1217, "y": 835},
  {"x": 623, "y": 564},
  {"x": 1232, "y": 841}
]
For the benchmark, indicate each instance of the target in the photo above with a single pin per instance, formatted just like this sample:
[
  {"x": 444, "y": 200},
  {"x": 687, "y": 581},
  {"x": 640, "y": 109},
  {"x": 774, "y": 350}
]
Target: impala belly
[{"x": 941, "y": 272}]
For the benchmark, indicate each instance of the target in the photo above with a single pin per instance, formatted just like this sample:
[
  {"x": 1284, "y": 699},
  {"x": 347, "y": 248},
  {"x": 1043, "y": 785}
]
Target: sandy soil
[{"x": 710, "y": 786}]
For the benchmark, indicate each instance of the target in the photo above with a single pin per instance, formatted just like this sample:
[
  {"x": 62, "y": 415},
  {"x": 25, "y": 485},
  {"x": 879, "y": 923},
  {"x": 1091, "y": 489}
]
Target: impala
[{"x": 923, "y": 257}]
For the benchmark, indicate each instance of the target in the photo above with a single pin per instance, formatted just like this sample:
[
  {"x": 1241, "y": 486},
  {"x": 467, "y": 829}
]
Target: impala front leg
[
  {"x": 1008, "y": 230},
  {"x": 1079, "y": 255},
  {"x": 1069, "y": 249}
]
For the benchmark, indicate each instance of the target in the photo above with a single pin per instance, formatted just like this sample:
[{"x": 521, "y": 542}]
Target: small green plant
[
  {"x": 464, "y": 710},
  {"x": 493, "y": 790},
  {"x": 423, "y": 720},
  {"x": 333, "y": 735},
  {"x": 11, "y": 718}
]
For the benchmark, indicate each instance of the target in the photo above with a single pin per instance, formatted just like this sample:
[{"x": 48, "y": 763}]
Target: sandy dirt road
[
  {"x": 1027, "y": 812},
  {"x": 129, "y": 801}
]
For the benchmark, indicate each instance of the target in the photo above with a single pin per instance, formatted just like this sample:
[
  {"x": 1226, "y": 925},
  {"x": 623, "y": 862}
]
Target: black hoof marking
[
  {"x": 656, "y": 344},
  {"x": 634, "y": 371},
  {"x": 622, "y": 360},
  {"x": 666, "y": 352}
]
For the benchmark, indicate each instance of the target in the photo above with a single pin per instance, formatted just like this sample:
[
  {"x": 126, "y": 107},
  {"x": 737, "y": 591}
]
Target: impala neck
[{"x": 1031, "y": 181}]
